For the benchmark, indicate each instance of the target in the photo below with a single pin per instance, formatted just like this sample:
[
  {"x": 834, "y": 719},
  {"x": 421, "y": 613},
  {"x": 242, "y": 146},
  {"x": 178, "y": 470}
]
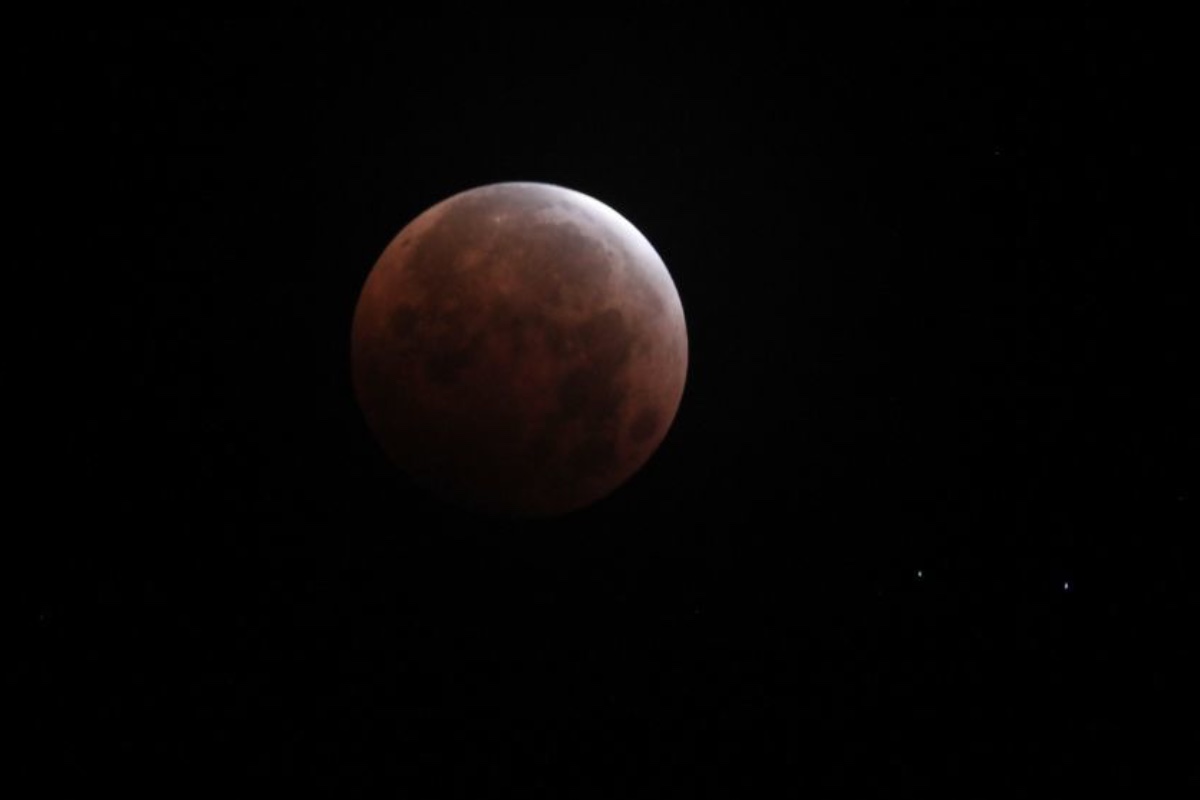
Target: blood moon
[{"x": 519, "y": 348}]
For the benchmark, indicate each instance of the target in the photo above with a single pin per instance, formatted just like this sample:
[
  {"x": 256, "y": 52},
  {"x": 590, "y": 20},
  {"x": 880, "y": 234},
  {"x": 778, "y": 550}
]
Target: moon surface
[{"x": 519, "y": 348}]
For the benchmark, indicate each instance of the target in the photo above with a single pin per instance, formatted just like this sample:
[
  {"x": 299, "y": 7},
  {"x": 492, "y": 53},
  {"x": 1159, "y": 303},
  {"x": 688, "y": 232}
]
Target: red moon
[{"x": 519, "y": 348}]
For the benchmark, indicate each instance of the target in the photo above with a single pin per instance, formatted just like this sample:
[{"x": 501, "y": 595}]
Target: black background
[{"x": 919, "y": 521}]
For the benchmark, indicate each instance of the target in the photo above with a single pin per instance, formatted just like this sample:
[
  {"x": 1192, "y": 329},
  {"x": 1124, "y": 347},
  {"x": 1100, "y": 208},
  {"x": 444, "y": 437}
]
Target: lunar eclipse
[{"x": 519, "y": 349}]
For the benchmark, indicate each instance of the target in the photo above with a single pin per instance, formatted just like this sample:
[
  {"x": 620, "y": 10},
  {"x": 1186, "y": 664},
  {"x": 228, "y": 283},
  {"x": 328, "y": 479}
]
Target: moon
[{"x": 519, "y": 349}]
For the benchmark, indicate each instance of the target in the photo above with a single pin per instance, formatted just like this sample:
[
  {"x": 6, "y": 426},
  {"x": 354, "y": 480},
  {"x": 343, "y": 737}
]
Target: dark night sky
[{"x": 933, "y": 276}]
